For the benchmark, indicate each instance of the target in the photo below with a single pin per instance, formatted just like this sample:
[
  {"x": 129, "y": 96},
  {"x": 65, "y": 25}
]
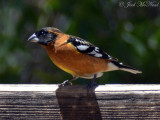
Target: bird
[{"x": 77, "y": 56}]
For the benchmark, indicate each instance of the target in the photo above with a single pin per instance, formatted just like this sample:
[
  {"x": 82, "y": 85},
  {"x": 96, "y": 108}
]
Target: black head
[{"x": 45, "y": 35}]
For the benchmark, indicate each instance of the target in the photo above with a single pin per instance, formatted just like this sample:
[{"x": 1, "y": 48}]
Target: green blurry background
[{"x": 131, "y": 34}]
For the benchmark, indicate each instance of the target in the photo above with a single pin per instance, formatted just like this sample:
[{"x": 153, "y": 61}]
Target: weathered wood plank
[{"x": 48, "y": 102}]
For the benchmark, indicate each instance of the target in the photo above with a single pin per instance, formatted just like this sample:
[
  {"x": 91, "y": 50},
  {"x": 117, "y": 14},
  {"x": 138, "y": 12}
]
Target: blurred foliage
[{"x": 131, "y": 34}]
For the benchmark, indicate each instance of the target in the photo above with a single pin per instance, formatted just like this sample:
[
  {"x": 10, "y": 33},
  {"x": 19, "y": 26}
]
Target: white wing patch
[
  {"x": 82, "y": 47},
  {"x": 95, "y": 54},
  {"x": 96, "y": 49},
  {"x": 86, "y": 47},
  {"x": 76, "y": 40}
]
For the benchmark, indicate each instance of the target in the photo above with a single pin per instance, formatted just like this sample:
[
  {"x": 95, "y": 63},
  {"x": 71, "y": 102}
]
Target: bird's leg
[
  {"x": 67, "y": 82},
  {"x": 92, "y": 84}
]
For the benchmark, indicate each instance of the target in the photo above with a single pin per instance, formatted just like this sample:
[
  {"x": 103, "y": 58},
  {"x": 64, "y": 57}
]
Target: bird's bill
[{"x": 33, "y": 38}]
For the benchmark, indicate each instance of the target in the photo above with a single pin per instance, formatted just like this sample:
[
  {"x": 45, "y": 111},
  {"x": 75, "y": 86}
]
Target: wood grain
[{"x": 106, "y": 102}]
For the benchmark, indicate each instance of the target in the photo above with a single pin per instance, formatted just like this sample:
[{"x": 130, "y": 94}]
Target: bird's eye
[{"x": 41, "y": 33}]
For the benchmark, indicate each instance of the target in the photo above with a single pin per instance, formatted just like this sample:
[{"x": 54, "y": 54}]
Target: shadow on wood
[
  {"x": 75, "y": 104},
  {"x": 48, "y": 102}
]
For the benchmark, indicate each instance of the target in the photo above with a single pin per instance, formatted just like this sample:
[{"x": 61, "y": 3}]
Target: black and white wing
[{"x": 86, "y": 47}]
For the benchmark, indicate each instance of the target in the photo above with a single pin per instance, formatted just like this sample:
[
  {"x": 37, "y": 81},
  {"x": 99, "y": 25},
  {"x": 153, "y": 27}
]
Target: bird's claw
[
  {"x": 65, "y": 83},
  {"x": 91, "y": 86}
]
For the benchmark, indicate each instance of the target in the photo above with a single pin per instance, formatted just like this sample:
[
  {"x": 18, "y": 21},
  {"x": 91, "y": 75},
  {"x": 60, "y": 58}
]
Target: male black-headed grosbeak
[{"x": 77, "y": 56}]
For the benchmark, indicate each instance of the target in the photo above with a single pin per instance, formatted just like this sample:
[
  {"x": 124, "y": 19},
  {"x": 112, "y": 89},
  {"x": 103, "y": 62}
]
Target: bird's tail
[{"x": 115, "y": 65}]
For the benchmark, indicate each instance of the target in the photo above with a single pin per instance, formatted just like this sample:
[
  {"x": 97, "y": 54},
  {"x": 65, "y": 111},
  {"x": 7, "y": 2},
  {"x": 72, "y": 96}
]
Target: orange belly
[{"x": 78, "y": 64}]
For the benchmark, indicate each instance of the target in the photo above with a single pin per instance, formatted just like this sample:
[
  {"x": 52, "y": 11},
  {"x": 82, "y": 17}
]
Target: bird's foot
[
  {"x": 65, "y": 83},
  {"x": 91, "y": 86}
]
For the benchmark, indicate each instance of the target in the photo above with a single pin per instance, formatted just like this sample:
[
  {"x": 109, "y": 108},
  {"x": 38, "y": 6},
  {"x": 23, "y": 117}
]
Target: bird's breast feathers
[{"x": 78, "y": 58}]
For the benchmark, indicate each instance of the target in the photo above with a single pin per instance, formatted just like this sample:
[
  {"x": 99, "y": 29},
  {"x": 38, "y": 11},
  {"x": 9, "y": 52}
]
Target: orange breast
[{"x": 66, "y": 57}]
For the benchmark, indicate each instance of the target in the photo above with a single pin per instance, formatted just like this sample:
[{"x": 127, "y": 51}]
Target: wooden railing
[{"x": 105, "y": 102}]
